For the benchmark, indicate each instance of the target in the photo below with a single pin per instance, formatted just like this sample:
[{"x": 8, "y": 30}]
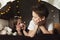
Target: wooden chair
[{"x": 57, "y": 27}]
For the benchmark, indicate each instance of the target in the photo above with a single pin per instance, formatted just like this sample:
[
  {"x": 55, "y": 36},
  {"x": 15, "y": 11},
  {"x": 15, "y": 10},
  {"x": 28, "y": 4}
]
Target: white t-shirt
[
  {"x": 32, "y": 26},
  {"x": 50, "y": 27}
]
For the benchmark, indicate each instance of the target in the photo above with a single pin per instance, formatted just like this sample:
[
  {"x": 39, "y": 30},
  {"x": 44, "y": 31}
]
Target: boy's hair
[{"x": 41, "y": 10}]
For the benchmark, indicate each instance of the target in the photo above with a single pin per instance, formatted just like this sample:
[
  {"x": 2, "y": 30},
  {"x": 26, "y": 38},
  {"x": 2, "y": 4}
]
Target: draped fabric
[
  {"x": 55, "y": 3},
  {"x": 4, "y": 2}
]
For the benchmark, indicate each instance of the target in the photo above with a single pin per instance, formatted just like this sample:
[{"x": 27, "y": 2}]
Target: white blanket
[
  {"x": 55, "y": 3},
  {"x": 4, "y": 2}
]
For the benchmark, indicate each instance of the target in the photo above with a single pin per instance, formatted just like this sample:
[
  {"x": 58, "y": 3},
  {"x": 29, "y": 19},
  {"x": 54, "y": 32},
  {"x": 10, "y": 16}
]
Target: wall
[{"x": 3, "y": 22}]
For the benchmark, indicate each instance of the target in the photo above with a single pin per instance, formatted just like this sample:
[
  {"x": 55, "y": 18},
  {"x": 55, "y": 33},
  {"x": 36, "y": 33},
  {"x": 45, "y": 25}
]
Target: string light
[
  {"x": 2, "y": 13},
  {"x": 17, "y": 1},
  {"x": 17, "y": 6},
  {"x": 15, "y": 16},
  {"x": 9, "y": 7},
  {"x": 52, "y": 10},
  {"x": 18, "y": 12},
  {"x": 6, "y": 10},
  {"x": 39, "y": 0},
  {"x": 53, "y": 15},
  {"x": 20, "y": 17}
]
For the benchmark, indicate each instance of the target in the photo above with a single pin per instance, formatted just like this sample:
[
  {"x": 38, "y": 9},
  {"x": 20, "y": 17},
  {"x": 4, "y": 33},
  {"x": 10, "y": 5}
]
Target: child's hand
[
  {"x": 23, "y": 26},
  {"x": 42, "y": 22}
]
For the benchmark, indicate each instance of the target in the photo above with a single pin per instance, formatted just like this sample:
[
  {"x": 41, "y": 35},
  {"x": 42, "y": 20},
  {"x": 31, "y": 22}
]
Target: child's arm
[
  {"x": 31, "y": 33},
  {"x": 45, "y": 31}
]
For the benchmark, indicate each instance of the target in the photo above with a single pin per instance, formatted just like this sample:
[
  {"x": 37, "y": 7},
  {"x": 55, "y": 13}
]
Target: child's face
[
  {"x": 18, "y": 24},
  {"x": 35, "y": 17},
  {"x": 19, "y": 21}
]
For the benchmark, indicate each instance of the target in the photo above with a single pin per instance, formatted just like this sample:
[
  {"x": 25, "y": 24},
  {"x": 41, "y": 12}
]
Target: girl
[
  {"x": 17, "y": 25},
  {"x": 39, "y": 16}
]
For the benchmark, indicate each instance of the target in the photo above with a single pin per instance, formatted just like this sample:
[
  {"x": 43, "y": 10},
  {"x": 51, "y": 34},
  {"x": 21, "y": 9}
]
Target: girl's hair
[
  {"x": 15, "y": 20},
  {"x": 41, "y": 10},
  {"x": 13, "y": 23}
]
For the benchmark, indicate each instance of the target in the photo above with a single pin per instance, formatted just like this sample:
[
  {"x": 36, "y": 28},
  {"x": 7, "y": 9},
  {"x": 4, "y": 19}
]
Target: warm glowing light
[
  {"x": 2, "y": 13},
  {"x": 52, "y": 10},
  {"x": 18, "y": 12},
  {"x": 39, "y": 0},
  {"x": 53, "y": 15},
  {"x": 9, "y": 7},
  {"x": 6, "y": 10},
  {"x": 17, "y": 1},
  {"x": 20, "y": 17},
  {"x": 17, "y": 6}
]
